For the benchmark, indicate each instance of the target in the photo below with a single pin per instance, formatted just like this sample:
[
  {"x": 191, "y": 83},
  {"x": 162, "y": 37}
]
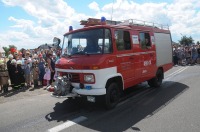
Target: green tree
[
  {"x": 198, "y": 42},
  {"x": 7, "y": 49},
  {"x": 186, "y": 40}
]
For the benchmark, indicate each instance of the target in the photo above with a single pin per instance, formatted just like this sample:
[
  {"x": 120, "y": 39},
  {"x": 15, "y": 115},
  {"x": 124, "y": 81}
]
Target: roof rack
[
  {"x": 135, "y": 22},
  {"x": 129, "y": 22}
]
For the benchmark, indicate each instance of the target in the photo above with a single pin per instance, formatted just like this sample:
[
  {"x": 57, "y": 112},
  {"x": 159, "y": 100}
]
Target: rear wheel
[
  {"x": 112, "y": 96},
  {"x": 157, "y": 80}
]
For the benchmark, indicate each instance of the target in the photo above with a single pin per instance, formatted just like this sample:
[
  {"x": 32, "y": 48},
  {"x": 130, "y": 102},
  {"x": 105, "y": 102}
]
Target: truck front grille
[{"x": 75, "y": 77}]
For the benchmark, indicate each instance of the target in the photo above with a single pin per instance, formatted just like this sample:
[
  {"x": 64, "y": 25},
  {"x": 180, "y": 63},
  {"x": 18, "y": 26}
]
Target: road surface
[{"x": 175, "y": 107}]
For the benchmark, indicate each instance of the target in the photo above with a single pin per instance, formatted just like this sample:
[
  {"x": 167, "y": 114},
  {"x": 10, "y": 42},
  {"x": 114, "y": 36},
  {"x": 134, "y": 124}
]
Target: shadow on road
[
  {"x": 69, "y": 107},
  {"x": 13, "y": 92},
  {"x": 136, "y": 105}
]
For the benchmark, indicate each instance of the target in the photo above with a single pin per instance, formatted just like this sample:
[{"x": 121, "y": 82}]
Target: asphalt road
[{"x": 175, "y": 107}]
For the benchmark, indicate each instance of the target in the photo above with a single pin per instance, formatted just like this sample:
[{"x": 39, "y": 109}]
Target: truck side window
[
  {"x": 122, "y": 40},
  {"x": 105, "y": 44},
  {"x": 145, "y": 42}
]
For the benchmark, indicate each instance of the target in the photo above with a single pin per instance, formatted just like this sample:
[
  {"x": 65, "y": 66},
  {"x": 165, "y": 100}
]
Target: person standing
[
  {"x": 175, "y": 56},
  {"x": 41, "y": 66},
  {"x": 194, "y": 54},
  {"x": 35, "y": 70},
  {"x": 188, "y": 55},
  {"x": 27, "y": 72},
  {"x": 14, "y": 74},
  {"x": 47, "y": 76},
  {"x": 9, "y": 67},
  {"x": 20, "y": 75},
  {"x": 3, "y": 74},
  {"x": 198, "y": 51},
  {"x": 28, "y": 69},
  {"x": 51, "y": 65}
]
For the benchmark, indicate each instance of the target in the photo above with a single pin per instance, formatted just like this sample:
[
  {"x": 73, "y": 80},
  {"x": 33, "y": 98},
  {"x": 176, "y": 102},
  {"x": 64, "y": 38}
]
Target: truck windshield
[{"x": 93, "y": 41}]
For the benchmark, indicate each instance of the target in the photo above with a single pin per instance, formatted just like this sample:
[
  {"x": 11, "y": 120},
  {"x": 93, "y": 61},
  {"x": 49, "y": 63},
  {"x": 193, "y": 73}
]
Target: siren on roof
[
  {"x": 70, "y": 28},
  {"x": 103, "y": 19}
]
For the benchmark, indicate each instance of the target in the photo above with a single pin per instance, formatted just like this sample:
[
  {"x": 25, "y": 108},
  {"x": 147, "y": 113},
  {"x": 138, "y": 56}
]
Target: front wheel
[
  {"x": 112, "y": 96},
  {"x": 157, "y": 80}
]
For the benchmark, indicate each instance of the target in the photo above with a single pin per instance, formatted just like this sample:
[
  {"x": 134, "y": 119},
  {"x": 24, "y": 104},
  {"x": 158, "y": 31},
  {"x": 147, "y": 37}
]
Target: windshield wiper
[
  {"x": 78, "y": 53},
  {"x": 66, "y": 55}
]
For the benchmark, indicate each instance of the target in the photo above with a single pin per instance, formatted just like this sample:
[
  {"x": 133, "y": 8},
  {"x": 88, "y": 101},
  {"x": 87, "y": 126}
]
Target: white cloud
[
  {"x": 54, "y": 16},
  {"x": 184, "y": 18},
  {"x": 181, "y": 15},
  {"x": 94, "y": 6}
]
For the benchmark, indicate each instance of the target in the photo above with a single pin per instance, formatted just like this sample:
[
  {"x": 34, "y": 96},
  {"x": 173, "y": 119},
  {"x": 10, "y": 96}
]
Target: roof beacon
[
  {"x": 103, "y": 20},
  {"x": 70, "y": 28}
]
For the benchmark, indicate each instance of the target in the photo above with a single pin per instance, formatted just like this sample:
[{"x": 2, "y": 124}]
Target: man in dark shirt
[
  {"x": 51, "y": 65},
  {"x": 198, "y": 51}
]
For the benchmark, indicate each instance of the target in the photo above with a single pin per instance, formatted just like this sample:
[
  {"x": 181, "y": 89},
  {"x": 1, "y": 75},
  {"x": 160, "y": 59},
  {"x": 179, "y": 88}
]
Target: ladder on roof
[{"x": 135, "y": 22}]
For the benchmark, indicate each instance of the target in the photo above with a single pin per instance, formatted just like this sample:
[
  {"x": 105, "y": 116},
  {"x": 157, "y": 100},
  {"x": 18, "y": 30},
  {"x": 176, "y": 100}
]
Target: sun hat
[
  {"x": 10, "y": 56},
  {"x": 19, "y": 62}
]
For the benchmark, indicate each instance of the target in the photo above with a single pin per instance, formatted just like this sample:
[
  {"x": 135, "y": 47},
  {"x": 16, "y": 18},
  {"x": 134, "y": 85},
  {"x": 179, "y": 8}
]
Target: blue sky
[{"x": 27, "y": 24}]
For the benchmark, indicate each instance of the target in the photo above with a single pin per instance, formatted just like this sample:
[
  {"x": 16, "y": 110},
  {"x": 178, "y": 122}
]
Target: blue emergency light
[
  {"x": 70, "y": 28},
  {"x": 103, "y": 19}
]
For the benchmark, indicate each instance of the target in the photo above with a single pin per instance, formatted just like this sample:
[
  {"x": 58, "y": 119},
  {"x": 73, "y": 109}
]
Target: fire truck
[{"x": 106, "y": 57}]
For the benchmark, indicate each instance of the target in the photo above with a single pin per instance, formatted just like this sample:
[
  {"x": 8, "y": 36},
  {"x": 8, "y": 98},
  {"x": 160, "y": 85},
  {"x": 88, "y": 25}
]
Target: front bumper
[{"x": 93, "y": 91}]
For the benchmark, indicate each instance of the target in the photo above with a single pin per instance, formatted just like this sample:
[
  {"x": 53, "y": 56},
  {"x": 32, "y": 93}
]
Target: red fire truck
[{"x": 106, "y": 57}]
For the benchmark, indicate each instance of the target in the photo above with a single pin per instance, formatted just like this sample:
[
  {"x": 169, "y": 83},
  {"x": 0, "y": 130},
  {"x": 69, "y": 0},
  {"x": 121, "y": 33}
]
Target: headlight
[{"x": 89, "y": 78}]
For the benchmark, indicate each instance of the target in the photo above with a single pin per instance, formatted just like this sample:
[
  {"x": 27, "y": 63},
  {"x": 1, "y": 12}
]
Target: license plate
[{"x": 90, "y": 98}]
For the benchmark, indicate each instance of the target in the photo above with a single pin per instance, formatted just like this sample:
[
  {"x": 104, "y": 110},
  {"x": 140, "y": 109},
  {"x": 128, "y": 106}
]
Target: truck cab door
[
  {"x": 125, "y": 56},
  {"x": 147, "y": 54}
]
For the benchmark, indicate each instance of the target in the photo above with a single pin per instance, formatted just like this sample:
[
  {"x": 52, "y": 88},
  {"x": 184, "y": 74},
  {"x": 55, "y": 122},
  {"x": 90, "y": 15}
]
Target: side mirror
[{"x": 56, "y": 41}]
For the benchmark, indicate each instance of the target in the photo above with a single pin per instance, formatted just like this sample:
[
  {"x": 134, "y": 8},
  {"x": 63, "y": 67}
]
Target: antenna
[{"x": 112, "y": 10}]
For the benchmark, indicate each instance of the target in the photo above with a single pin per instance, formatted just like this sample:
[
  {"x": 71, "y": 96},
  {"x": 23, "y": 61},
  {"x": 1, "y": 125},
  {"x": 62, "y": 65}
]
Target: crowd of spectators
[
  {"x": 34, "y": 68},
  {"x": 186, "y": 55},
  {"x": 30, "y": 68}
]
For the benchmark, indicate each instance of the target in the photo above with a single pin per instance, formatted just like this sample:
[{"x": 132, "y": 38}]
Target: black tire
[
  {"x": 112, "y": 96},
  {"x": 156, "y": 82}
]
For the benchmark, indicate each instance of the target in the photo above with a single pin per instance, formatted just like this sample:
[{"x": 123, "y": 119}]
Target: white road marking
[
  {"x": 67, "y": 124},
  {"x": 176, "y": 72}
]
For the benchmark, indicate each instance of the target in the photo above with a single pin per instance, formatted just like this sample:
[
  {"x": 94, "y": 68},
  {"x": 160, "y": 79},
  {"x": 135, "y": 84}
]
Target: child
[
  {"x": 27, "y": 72},
  {"x": 35, "y": 73},
  {"x": 47, "y": 75}
]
